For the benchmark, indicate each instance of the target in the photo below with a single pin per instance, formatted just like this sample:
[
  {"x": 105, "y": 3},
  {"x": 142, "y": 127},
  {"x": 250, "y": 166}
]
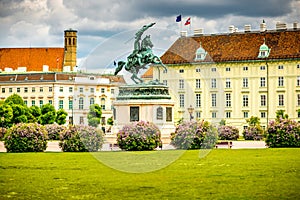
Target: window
[
  {"x": 181, "y": 100},
  {"x": 80, "y": 103},
  {"x": 165, "y": 82},
  {"x": 245, "y": 101},
  {"x": 198, "y": 114},
  {"x": 50, "y": 89},
  {"x": 213, "y": 69},
  {"x": 280, "y": 100},
  {"x": 228, "y": 100},
  {"x": 262, "y": 81},
  {"x": 263, "y": 67},
  {"x": 198, "y": 100},
  {"x": 213, "y": 100},
  {"x": 168, "y": 114},
  {"x": 159, "y": 113},
  {"x": 50, "y": 102},
  {"x": 3, "y": 90},
  {"x": 298, "y": 66},
  {"x": 92, "y": 101},
  {"x": 25, "y": 102},
  {"x": 81, "y": 90},
  {"x": 198, "y": 70},
  {"x": 245, "y": 82},
  {"x": 134, "y": 113},
  {"x": 112, "y": 91},
  {"x": 263, "y": 100},
  {"x": 18, "y": 89},
  {"x": 103, "y": 103},
  {"x": 33, "y": 89},
  {"x": 41, "y": 89},
  {"x": 33, "y": 102},
  {"x": 214, "y": 115},
  {"x": 298, "y": 99},
  {"x": 181, "y": 84},
  {"x": 70, "y": 104},
  {"x": 198, "y": 83},
  {"x": 81, "y": 120},
  {"x": 26, "y": 89},
  {"x": 227, "y": 69},
  {"x": 228, "y": 83},
  {"x": 213, "y": 83},
  {"x": 280, "y": 66},
  {"x": 298, "y": 80},
  {"x": 10, "y": 90},
  {"x": 263, "y": 115},
  {"x": 228, "y": 114},
  {"x": 102, "y": 90},
  {"x": 61, "y": 89},
  {"x": 61, "y": 104},
  {"x": 181, "y": 70},
  {"x": 70, "y": 89},
  {"x": 92, "y": 90},
  {"x": 245, "y": 68},
  {"x": 41, "y": 103},
  {"x": 280, "y": 81},
  {"x": 246, "y": 114}
]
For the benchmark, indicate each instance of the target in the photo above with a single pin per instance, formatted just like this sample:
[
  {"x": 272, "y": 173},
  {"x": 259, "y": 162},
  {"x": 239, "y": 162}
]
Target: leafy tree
[
  {"x": 6, "y": 112},
  {"x": 61, "y": 116},
  {"x": 15, "y": 99},
  {"x": 48, "y": 114},
  {"x": 34, "y": 113},
  {"x": 19, "y": 113},
  {"x": 280, "y": 115},
  {"x": 253, "y": 121},
  {"x": 222, "y": 122},
  {"x": 94, "y": 115},
  {"x": 110, "y": 121}
]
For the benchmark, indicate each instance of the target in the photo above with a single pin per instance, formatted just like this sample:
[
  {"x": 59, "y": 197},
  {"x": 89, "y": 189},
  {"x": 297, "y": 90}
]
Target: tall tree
[
  {"x": 61, "y": 116},
  {"x": 34, "y": 114},
  {"x": 48, "y": 114},
  {"x": 6, "y": 113},
  {"x": 15, "y": 99},
  {"x": 94, "y": 115}
]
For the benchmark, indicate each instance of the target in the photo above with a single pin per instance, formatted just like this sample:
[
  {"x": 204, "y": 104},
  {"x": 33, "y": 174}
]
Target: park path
[{"x": 53, "y": 146}]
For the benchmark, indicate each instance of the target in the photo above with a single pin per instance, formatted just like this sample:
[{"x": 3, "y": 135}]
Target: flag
[
  {"x": 178, "y": 18},
  {"x": 188, "y": 21}
]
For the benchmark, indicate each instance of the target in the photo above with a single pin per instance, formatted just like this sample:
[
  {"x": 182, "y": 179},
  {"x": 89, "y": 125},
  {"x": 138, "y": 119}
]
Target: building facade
[{"x": 235, "y": 75}]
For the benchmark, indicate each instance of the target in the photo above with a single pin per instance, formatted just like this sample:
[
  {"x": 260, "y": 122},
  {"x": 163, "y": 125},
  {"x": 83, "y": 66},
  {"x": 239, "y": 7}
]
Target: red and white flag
[{"x": 188, "y": 21}]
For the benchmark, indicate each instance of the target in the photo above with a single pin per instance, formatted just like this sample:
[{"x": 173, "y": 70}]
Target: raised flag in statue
[
  {"x": 178, "y": 18},
  {"x": 188, "y": 21}
]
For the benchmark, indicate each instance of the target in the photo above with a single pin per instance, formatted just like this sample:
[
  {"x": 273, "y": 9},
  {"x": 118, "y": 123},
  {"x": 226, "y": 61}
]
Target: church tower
[{"x": 70, "y": 48}]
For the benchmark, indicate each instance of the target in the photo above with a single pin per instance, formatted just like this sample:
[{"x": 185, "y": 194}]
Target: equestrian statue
[{"x": 141, "y": 56}]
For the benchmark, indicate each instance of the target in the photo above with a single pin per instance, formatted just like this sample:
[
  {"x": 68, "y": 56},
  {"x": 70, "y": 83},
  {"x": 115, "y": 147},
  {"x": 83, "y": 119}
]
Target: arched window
[
  {"x": 81, "y": 103},
  {"x": 70, "y": 41},
  {"x": 66, "y": 41},
  {"x": 103, "y": 103},
  {"x": 74, "y": 41}
]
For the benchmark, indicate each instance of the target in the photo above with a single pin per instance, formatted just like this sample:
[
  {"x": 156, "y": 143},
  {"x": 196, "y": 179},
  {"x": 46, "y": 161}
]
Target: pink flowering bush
[
  {"x": 26, "y": 137},
  {"x": 226, "y": 132},
  {"x": 139, "y": 136},
  {"x": 194, "y": 135},
  {"x": 54, "y": 131},
  {"x": 2, "y": 133},
  {"x": 253, "y": 132},
  {"x": 79, "y": 138},
  {"x": 283, "y": 133}
]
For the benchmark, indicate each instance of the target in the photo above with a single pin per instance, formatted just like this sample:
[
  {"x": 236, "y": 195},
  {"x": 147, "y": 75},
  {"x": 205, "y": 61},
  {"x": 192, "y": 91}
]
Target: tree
[
  {"x": 34, "y": 113},
  {"x": 280, "y": 115},
  {"x": 7, "y": 113},
  {"x": 61, "y": 116},
  {"x": 253, "y": 121},
  {"x": 110, "y": 121},
  {"x": 48, "y": 114},
  {"x": 94, "y": 115},
  {"x": 15, "y": 99},
  {"x": 19, "y": 113}
]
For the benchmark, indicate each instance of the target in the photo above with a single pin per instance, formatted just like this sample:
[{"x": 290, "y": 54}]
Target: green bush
[
  {"x": 139, "y": 136},
  {"x": 226, "y": 132},
  {"x": 26, "y": 137},
  {"x": 283, "y": 133},
  {"x": 2, "y": 133},
  {"x": 54, "y": 131},
  {"x": 79, "y": 138},
  {"x": 194, "y": 135}
]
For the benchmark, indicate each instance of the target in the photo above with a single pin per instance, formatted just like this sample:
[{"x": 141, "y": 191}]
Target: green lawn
[{"x": 222, "y": 174}]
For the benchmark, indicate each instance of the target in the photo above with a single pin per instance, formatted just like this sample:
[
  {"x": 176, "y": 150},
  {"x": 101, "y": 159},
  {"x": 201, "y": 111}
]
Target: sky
[{"x": 106, "y": 27}]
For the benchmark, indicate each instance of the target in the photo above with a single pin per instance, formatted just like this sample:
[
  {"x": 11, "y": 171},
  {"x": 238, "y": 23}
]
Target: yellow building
[{"x": 234, "y": 75}]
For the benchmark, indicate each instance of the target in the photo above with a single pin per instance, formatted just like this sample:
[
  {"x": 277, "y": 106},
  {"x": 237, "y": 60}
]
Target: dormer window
[
  {"x": 200, "y": 54},
  {"x": 264, "y": 50}
]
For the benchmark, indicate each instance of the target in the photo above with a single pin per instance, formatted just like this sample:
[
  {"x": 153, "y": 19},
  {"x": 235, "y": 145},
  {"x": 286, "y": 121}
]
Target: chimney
[
  {"x": 247, "y": 28},
  {"x": 183, "y": 33},
  {"x": 295, "y": 25},
  {"x": 231, "y": 29},
  {"x": 280, "y": 26},
  {"x": 263, "y": 26},
  {"x": 198, "y": 31}
]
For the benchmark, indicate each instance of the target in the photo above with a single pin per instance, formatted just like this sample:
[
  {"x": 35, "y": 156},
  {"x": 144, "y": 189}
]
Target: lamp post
[{"x": 191, "y": 110}]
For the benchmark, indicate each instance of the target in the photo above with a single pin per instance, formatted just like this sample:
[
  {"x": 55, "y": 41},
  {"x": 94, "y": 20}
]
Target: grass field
[{"x": 222, "y": 174}]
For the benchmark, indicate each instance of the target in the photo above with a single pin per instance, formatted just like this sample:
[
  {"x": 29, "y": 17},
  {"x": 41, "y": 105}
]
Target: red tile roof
[
  {"x": 235, "y": 46},
  {"x": 32, "y": 58}
]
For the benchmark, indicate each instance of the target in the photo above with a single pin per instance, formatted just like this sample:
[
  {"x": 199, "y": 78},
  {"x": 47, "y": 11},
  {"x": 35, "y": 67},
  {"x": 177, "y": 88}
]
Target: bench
[{"x": 224, "y": 144}]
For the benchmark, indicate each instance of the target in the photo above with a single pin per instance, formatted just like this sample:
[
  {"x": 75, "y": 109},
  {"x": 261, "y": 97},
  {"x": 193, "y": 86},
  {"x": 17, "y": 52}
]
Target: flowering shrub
[
  {"x": 2, "y": 133},
  {"x": 228, "y": 133},
  {"x": 252, "y": 132},
  {"x": 283, "y": 133},
  {"x": 194, "y": 135},
  {"x": 80, "y": 138},
  {"x": 26, "y": 137},
  {"x": 139, "y": 136},
  {"x": 54, "y": 131}
]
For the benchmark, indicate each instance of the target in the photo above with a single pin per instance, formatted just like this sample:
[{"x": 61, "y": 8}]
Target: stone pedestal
[{"x": 145, "y": 102}]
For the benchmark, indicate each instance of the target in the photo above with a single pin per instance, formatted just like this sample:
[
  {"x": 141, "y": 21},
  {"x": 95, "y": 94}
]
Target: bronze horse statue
[{"x": 141, "y": 56}]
